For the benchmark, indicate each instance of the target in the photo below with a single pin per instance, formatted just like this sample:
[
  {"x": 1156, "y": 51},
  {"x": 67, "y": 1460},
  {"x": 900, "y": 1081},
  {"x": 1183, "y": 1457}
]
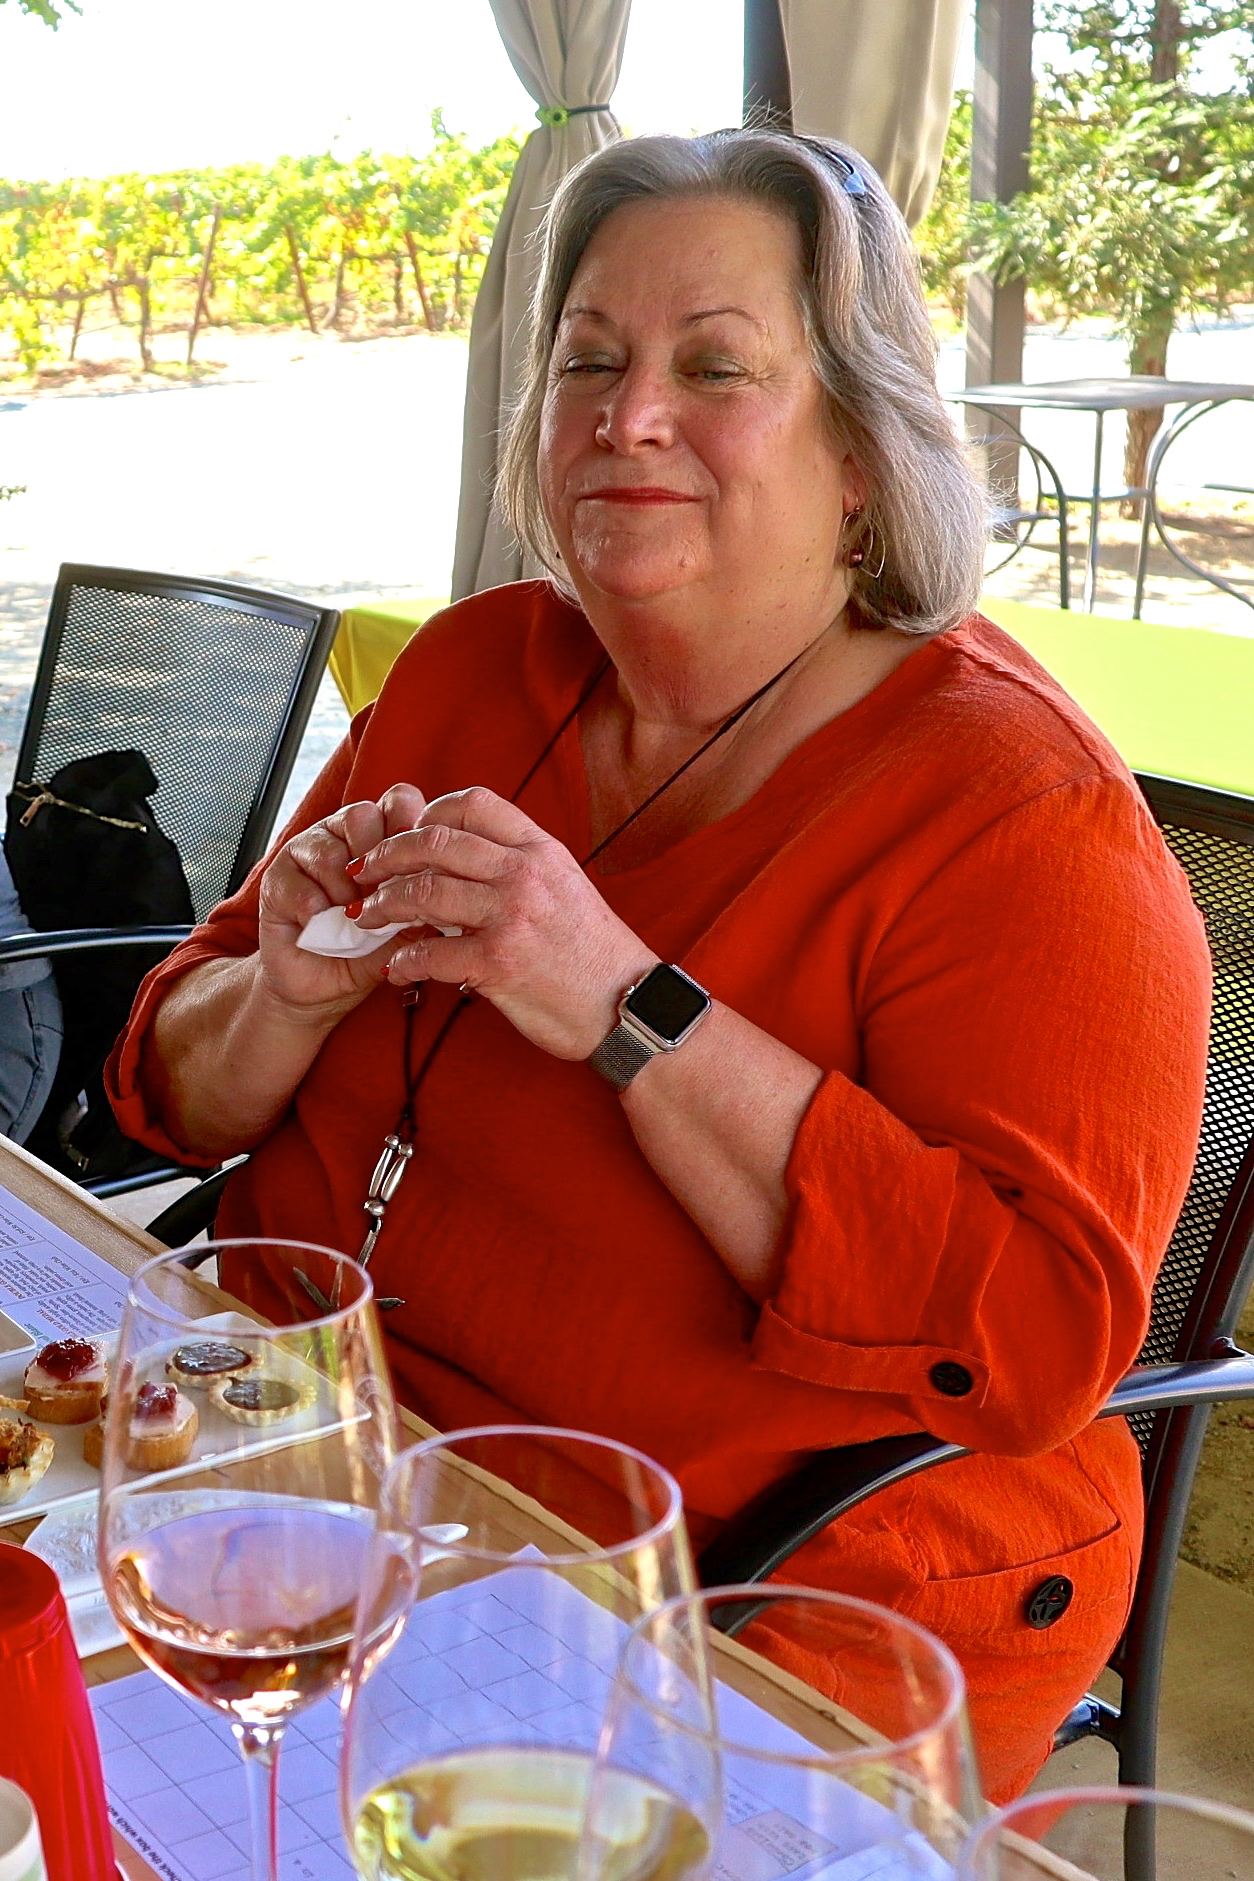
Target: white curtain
[
  {"x": 568, "y": 54},
  {"x": 878, "y": 74}
]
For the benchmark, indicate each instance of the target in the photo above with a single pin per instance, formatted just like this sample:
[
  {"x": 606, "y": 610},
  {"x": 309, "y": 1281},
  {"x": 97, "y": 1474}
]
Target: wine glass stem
[{"x": 259, "y": 1746}]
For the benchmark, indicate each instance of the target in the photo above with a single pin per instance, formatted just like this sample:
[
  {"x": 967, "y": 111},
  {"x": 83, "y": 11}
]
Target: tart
[
  {"x": 205, "y": 1362},
  {"x": 25, "y": 1454},
  {"x": 93, "y": 1442},
  {"x": 65, "y": 1382},
  {"x": 163, "y": 1428},
  {"x": 262, "y": 1400}
]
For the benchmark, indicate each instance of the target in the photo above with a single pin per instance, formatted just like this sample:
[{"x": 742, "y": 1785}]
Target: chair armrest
[
  {"x": 762, "y": 1535},
  {"x": 771, "y": 1528},
  {"x": 184, "y": 1219},
  {"x": 1228, "y": 1374},
  {"x": 76, "y": 940}
]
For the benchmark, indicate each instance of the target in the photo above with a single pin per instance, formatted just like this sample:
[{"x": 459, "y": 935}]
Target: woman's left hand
[{"x": 538, "y": 939}]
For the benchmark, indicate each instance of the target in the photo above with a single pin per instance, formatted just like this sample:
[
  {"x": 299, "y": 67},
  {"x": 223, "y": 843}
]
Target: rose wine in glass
[{"x": 246, "y": 1439}]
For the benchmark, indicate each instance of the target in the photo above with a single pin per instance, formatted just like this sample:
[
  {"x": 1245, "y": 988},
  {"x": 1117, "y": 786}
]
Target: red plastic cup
[{"x": 47, "y": 1733}]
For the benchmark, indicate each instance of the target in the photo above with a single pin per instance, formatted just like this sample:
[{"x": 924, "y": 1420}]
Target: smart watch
[{"x": 656, "y": 1015}]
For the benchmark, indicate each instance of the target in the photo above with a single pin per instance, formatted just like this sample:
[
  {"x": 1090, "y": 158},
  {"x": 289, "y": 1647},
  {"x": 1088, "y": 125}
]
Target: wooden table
[{"x": 518, "y": 1519}]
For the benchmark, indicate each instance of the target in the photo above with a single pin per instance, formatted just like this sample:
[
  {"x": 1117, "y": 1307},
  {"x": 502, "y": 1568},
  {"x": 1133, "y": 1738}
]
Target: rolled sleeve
[{"x": 975, "y": 1225}]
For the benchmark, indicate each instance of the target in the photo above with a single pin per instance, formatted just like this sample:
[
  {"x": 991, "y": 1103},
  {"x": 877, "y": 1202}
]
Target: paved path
[
  {"x": 329, "y": 477},
  {"x": 328, "y": 468}
]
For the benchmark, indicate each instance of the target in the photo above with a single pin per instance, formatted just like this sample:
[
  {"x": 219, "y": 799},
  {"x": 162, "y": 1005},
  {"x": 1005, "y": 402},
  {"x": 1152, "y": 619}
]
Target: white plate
[{"x": 69, "y": 1478}]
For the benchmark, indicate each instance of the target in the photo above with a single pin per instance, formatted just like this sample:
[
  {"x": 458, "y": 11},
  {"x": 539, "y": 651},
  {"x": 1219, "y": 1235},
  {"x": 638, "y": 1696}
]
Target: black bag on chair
[{"x": 85, "y": 850}]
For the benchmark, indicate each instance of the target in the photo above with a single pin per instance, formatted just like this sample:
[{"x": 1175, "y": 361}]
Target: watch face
[{"x": 667, "y": 1002}]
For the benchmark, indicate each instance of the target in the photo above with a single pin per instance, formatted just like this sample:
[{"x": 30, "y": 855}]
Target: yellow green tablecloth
[
  {"x": 1178, "y": 701},
  {"x": 369, "y": 640},
  {"x": 1175, "y": 700}
]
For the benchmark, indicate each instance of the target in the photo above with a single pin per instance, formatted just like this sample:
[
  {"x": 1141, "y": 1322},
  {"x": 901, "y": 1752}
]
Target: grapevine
[{"x": 333, "y": 243}]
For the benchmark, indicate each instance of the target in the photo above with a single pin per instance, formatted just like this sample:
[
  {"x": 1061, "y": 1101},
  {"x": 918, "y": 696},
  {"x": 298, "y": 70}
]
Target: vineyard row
[{"x": 326, "y": 240}]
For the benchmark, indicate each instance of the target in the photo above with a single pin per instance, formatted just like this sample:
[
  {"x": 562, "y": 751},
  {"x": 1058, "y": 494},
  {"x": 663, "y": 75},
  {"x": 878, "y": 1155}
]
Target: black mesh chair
[
  {"x": 1189, "y": 1360},
  {"x": 213, "y": 683}
]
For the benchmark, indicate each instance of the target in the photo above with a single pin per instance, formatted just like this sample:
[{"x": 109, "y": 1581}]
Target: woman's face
[{"x": 684, "y": 442}]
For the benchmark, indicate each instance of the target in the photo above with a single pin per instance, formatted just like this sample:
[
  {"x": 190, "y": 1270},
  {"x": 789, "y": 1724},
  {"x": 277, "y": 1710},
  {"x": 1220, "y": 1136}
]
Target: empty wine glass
[
  {"x": 242, "y": 1462},
  {"x": 838, "y": 1728},
  {"x": 481, "y": 1667},
  {"x": 1107, "y": 1834}
]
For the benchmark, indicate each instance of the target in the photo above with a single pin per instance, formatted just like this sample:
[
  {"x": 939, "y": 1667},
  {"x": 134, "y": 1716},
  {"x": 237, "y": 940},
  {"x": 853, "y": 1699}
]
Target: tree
[
  {"x": 1142, "y": 196},
  {"x": 48, "y": 11}
]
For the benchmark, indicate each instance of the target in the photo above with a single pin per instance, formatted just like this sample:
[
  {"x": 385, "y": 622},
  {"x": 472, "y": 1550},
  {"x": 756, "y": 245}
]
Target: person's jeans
[{"x": 30, "y": 1045}]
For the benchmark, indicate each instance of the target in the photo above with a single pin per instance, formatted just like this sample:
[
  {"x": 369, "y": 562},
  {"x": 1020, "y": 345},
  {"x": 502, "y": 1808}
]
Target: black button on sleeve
[
  {"x": 952, "y": 1379},
  {"x": 1049, "y": 1602}
]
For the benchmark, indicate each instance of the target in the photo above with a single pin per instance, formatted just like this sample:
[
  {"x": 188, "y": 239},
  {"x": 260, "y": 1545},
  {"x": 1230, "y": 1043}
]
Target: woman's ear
[{"x": 855, "y": 484}]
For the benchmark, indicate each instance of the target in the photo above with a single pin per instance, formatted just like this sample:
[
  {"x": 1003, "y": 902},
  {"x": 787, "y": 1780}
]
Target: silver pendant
[{"x": 388, "y": 1174}]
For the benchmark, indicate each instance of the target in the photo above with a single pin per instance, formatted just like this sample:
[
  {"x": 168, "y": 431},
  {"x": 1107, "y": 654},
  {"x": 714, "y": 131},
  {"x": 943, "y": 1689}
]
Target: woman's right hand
[{"x": 309, "y": 874}]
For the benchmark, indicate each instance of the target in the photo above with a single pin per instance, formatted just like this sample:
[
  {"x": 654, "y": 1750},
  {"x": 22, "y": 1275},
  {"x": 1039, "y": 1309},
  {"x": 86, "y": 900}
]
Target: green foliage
[
  {"x": 337, "y": 242},
  {"x": 48, "y": 11},
  {"x": 944, "y": 233},
  {"x": 1141, "y": 206}
]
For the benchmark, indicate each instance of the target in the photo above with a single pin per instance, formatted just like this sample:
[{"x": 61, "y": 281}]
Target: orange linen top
[{"x": 953, "y": 899}]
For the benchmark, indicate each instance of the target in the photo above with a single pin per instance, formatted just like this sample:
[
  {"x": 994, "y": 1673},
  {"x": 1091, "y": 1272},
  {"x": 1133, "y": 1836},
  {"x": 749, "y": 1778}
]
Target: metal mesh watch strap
[{"x": 620, "y": 1056}]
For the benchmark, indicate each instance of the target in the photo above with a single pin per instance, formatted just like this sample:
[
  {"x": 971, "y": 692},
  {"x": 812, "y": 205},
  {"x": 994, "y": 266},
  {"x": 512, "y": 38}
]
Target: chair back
[
  {"x": 211, "y": 681},
  {"x": 1209, "y": 1264}
]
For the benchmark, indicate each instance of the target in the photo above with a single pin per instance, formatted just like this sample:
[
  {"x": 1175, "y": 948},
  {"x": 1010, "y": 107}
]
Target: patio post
[
  {"x": 1001, "y": 136},
  {"x": 768, "y": 83}
]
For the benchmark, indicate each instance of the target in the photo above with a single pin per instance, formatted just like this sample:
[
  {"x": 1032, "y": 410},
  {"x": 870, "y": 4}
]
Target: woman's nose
[{"x": 639, "y": 411}]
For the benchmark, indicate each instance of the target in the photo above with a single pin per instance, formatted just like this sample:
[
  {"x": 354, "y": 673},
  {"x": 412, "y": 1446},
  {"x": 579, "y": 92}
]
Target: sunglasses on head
[{"x": 851, "y": 179}]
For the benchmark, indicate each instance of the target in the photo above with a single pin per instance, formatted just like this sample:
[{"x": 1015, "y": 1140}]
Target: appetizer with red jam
[
  {"x": 163, "y": 1428},
  {"x": 65, "y": 1382}
]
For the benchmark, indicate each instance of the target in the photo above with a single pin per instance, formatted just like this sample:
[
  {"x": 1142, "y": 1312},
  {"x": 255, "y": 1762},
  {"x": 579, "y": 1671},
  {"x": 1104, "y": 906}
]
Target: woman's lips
[{"x": 643, "y": 494}]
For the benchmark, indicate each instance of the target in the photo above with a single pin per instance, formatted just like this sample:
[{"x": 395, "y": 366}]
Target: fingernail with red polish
[
  {"x": 355, "y": 868},
  {"x": 353, "y": 909},
  {"x": 386, "y": 971}
]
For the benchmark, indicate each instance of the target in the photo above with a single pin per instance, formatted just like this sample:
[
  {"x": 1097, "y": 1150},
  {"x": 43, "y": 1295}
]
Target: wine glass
[
  {"x": 1103, "y": 1834},
  {"x": 480, "y": 1668},
  {"x": 242, "y": 1462},
  {"x": 838, "y": 1729}
]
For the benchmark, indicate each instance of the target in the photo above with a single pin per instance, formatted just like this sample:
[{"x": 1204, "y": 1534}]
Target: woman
[{"x": 926, "y": 1116}]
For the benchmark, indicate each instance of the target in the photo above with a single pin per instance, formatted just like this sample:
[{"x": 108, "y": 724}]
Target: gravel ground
[{"x": 316, "y": 466}]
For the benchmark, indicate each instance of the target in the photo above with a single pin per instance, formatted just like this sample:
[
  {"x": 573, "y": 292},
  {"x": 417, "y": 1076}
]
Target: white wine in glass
[
  {"x": 877, "y": 1781},
  {"x": 481, "y": 1668},
  {"x": 245, "y": 1444}
]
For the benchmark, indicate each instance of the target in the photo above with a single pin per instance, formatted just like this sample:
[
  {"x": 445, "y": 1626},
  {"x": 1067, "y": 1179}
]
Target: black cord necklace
[{"x": 398, "y": 1145}]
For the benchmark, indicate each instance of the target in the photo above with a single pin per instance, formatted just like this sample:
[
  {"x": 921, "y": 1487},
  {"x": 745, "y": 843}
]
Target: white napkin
[{"x": 333, "y": 935}]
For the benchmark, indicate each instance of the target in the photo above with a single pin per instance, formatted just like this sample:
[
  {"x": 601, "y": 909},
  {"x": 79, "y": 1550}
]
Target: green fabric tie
[{"x": 554, "y": 116}]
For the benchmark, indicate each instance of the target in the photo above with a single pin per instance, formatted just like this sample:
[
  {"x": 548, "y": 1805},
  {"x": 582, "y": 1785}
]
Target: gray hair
[{"x": 870, "y": 339}]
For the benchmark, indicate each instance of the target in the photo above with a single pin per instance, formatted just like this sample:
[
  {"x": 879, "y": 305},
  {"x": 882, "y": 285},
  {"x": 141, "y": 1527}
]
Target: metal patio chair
[
  {"x": 1189, "y": 1360},
  {"x": 214, "y": 683}
]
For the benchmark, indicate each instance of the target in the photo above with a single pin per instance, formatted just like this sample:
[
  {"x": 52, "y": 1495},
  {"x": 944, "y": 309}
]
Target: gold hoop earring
[{"x": 869, "y": 546}]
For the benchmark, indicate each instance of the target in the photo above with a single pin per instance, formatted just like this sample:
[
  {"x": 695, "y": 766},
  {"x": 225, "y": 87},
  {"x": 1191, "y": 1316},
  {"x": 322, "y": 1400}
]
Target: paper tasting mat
[{"x": 176, "y": 1789}]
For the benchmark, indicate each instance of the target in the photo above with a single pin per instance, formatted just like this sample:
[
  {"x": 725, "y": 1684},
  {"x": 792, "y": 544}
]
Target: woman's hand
[
  {"x": 538, "y": 939},
  {"x": 310, "y": 874}
]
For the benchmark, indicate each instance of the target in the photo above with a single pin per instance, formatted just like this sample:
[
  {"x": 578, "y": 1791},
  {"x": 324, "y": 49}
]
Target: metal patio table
[{"x": 1138, "y": 392}]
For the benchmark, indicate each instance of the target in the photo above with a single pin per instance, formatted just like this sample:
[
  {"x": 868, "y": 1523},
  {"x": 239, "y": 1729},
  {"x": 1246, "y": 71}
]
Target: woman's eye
[
  {"x": 583, "y": 367},
  {"x": 717, "y": 374}
]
